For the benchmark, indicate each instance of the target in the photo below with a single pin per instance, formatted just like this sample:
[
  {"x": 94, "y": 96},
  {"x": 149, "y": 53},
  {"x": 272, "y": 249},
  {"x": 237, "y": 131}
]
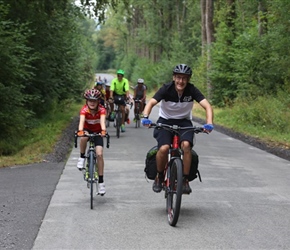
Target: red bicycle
[{"x": 173, "y": 172}]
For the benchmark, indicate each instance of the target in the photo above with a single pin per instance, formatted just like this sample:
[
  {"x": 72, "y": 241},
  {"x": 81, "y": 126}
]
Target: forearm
[{"x": 148, "y": 107}]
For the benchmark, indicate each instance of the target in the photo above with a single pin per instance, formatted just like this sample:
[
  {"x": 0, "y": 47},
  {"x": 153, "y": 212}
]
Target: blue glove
[
  {"x": 146, "y": 121},
  {"x": 208, "y": 127}
]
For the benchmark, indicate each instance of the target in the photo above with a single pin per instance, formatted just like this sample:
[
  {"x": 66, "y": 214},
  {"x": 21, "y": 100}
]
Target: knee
[
  {"x": 164, "y": 149},
  {"x": 186, "y": 147}
]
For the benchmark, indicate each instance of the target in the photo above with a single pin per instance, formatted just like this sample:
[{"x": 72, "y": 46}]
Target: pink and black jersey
[
  {"x": 174, "y": 107},
  {"x": 92, "y": 122}
]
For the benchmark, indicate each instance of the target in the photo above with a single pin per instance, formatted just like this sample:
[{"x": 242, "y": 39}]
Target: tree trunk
[{"x": 209, "y": 39}]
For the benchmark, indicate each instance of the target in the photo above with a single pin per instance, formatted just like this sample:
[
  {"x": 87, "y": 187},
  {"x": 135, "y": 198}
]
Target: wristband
[{"x": 145, "y": 116}]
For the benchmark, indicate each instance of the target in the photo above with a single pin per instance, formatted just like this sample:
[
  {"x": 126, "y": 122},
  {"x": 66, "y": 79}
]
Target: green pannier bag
[
  {"x": 151, "y": 167},
  {"x": 150, "y": 163}
]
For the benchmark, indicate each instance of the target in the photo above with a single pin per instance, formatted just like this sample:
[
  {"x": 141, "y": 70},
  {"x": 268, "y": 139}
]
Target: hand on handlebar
[
  {"x": 111, "y": 100},
  {"x": 81, "y": 133},
  {"x": 208, "y": 127},
  {"x": 103, "y": 133},
  {"x": 146, "y": 122}
]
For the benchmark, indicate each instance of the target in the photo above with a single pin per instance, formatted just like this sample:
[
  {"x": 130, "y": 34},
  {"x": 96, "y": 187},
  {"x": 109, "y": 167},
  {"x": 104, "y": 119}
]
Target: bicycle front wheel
[
  {"x": 174, "y": 194},
  {"x": 91, "y": 179}
]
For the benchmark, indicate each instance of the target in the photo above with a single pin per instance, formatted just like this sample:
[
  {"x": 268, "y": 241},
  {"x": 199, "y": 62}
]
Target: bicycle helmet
[
  {"x": 120, "y": 72},
  {"x": 140, "y": 80},
  {"x": 92, "y": 94},
  {"x": 99, "y": 83},
  {"x": 108, "y": 84},
  {"x": 182, "y": 69}
]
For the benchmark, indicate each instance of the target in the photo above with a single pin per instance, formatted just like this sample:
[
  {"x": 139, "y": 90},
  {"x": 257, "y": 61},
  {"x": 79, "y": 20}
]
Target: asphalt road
[{"x": 242, "y": 203}]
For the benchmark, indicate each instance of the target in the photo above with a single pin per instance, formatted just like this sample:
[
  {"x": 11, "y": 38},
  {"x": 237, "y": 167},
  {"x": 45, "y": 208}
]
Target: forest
[{"x": 238, "y": 50}]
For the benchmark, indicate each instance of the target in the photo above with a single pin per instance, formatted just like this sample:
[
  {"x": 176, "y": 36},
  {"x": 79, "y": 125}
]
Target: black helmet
[{"x": 182, "y": 69}]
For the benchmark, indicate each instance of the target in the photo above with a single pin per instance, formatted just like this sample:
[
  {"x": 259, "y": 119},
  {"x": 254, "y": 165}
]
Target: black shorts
[
  {"x": 119, "y": 99},
  {"x": 98, "y": 139},
  {"x": 164, "y": 137}
]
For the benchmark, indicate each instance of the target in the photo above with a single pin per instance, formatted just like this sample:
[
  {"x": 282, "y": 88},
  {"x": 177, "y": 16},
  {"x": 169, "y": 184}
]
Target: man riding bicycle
[
  {"x": 119, "y": 93},
  {"x": 140, "y": 94},
  {"x": 176, "y": 99},
  {"x": 92, "y": 120}
]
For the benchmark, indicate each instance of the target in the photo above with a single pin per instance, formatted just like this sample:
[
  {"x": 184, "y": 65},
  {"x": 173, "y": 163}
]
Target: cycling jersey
[
  {"x": 92, "y": 122},
  {"x": 174, "y": 107},
  {"x": 119, "y": 88}
]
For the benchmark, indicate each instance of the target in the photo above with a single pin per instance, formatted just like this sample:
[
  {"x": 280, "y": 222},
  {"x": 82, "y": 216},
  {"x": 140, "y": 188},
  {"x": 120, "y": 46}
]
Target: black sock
[
  {"x": 83, "y": 155},
  {"x": 101, "y": 179}
]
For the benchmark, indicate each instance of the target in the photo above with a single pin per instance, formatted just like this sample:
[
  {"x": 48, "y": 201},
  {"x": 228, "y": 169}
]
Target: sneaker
[
  {"x": 123, "y": 128},
  {"x": 81, "y": 163},
  {"x": 157, "y": 184},
  {"x": 112, "y": 116},
  {"x": 101, "y": 189},
  {"x": 128, "y": 121},
  {"x": 186, "y": 188}
]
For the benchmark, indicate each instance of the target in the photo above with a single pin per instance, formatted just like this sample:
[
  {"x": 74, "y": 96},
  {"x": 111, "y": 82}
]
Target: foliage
[{"x": 47, "y": 57}]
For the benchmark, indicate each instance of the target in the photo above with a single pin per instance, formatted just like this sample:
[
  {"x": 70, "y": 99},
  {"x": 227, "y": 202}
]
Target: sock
[
  {"x": 83, "y": 155},
  {"x": 101, "y": 179}
]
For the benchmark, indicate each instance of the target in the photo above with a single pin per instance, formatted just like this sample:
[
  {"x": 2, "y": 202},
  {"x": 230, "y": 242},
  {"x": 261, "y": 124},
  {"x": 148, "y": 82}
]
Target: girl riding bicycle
[{"x": 92, "y": 120}]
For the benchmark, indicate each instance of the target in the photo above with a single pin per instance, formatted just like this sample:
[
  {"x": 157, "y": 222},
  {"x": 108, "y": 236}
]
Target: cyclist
[
  {"x": 99, "y": 86},
  {"x": 92, "y": 120},
  {"x": 140, "y": 93},
  {"x": 120, "y": 88},
  {"x": 176, "y": 105},
  {"x": 110, "y": 106}
]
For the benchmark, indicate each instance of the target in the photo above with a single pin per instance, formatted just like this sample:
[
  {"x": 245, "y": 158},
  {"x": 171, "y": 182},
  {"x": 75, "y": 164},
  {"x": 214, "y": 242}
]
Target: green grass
[
  {"x": 232, "y": 119},
  {"x": 41, "y": 140}
]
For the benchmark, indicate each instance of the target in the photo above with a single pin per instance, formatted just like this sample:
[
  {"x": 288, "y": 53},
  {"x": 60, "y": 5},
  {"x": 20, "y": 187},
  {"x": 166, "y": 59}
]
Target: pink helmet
[{"x": 92, "y": 94}]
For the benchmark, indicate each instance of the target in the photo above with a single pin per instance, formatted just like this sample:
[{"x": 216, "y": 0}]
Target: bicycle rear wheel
[
  {"x": 118, "y": 124},
  {"x": 174, "y": 194},
  {"x": 91, "y": 180}
]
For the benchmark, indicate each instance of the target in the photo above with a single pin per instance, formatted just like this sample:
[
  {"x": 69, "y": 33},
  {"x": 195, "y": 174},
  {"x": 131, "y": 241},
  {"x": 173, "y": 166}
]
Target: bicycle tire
[
  {"x": 118, "y": 125},
  {"x": 136, "y": 120},
  {"x": 91, "y": 180},
  {"x": 174, "y": 194}
]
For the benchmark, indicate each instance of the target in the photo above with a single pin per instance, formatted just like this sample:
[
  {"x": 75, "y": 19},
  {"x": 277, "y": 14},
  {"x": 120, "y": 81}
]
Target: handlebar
[
  {"x": 177, "y": 128},
  {"x": 137, "y": 100},
  {"x": 92, "y": 135}
]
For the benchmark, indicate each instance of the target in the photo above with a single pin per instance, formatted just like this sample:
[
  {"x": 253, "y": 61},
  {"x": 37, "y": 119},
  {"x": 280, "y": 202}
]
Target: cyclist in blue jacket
[{"x": 176, "y": 102}]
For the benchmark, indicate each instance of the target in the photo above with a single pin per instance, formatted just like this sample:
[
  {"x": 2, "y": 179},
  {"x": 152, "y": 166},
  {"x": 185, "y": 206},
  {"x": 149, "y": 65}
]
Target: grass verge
[{"x": 41, "y": 140}]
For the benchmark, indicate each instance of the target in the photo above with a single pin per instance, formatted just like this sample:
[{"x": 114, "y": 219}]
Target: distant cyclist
[
  {"x": 92, "y": 120},
  {"x": 99, "y": 86},
  {"x": 140, "y": 93},
  {"x": 120, "y": 89},
  {"x": 109, "y": 106}
]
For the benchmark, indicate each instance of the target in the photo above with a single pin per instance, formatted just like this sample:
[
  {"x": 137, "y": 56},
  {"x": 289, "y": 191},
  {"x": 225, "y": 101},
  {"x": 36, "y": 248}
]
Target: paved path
[{"x": 242, "y": 203}]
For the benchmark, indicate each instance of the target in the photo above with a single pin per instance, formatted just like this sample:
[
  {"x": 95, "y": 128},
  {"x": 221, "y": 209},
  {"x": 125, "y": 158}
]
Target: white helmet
[
  {"x": 108, "y": 84},
  {"x": 140, "y": 80}
]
